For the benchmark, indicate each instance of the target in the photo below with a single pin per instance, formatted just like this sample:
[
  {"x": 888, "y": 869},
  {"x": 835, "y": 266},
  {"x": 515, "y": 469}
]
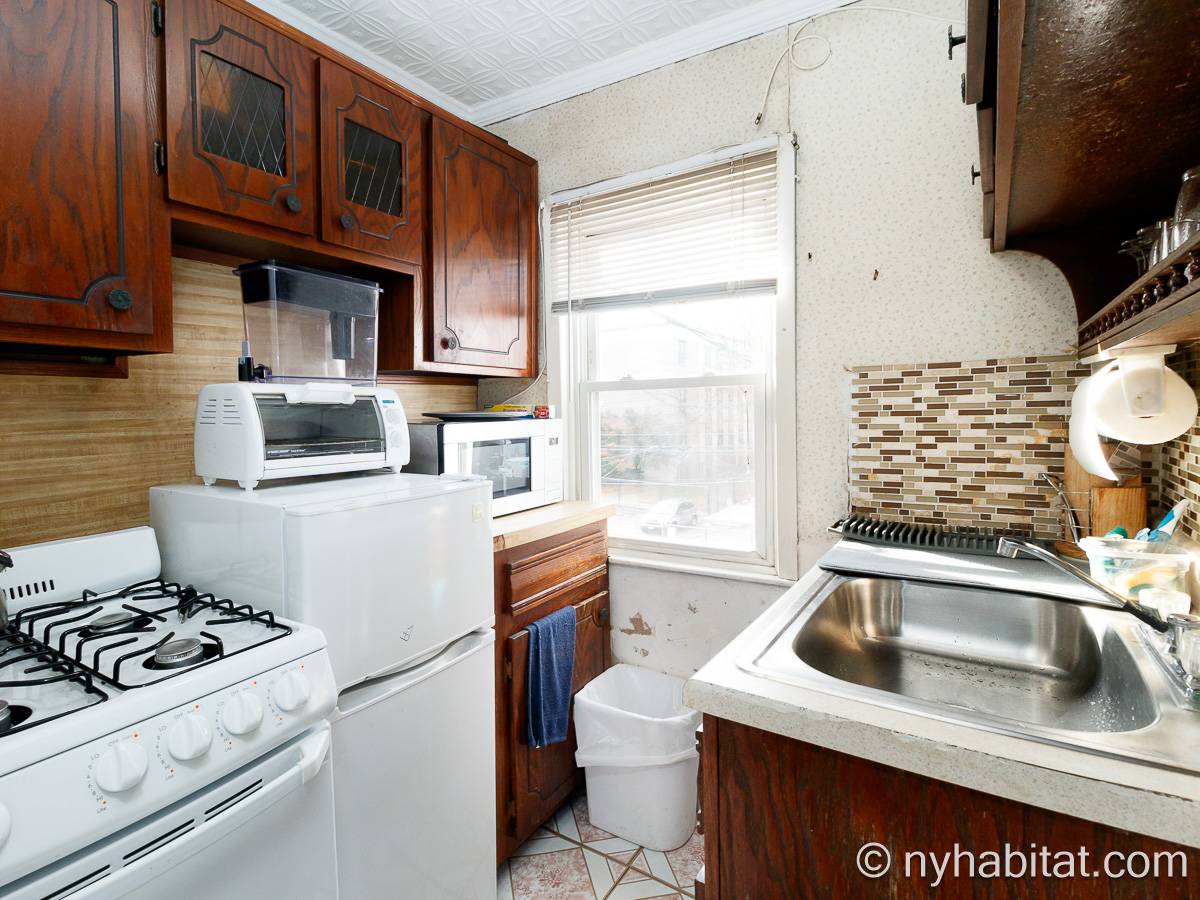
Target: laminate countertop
[
  {"x": 531, "y": 525},
  {"x": 1135, "y": 797}
]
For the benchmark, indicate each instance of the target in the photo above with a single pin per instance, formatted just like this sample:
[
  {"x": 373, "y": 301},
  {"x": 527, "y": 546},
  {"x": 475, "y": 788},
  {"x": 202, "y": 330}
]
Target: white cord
[{"x": 789, "y": 52}]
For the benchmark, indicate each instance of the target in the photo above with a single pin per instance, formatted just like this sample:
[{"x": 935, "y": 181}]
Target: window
[{"x": 673, "y": 304}]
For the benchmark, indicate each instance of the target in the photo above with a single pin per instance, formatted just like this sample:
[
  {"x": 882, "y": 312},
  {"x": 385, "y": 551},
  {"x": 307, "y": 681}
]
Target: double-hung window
[{"x": 673, "y": 308}]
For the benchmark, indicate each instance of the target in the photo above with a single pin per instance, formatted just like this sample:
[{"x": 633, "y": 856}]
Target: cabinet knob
[
  {"x": 346, "y": 221},
  {"x": 449, "y": 343},
  {"x": 293, "y": 202},
  {"x": 120, "y": 299}
]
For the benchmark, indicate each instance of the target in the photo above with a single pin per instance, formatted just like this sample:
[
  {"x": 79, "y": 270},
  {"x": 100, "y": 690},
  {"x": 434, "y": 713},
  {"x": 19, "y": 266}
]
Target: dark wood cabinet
[
  {"x": 84, "y": 261},
  {"x": 532, "y": 581},
  {"x": 373, "y": 167},
  {"x": 540, "y": 779},
  {"x": 785, "y": 819},
  {"x": 242, "y": 138},
  {"x": 240, "y": 117},
  {"x": 483, "y": 263}
]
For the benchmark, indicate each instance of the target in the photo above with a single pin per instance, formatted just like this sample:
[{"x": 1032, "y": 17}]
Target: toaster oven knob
[
  {"x": 5, "y": 824},
  {"x": 291, "y": 691},
  {"x": 242, "y": 713},
  {"x": 189, "y": 738},
  {"x": 123, "y": 766}
]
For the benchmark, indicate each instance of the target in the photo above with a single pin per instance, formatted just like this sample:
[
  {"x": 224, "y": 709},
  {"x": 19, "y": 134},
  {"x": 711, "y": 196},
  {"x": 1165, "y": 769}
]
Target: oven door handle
[{"x": 313, "y": 750}]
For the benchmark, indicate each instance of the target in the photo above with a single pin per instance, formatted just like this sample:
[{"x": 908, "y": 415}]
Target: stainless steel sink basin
[
  {"x": 1054, "y": 671},
  {"x": 1019, "y": 657}
]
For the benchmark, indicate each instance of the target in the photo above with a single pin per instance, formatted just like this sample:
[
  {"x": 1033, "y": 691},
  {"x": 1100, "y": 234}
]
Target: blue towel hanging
[{"x": 551, "y": 669}]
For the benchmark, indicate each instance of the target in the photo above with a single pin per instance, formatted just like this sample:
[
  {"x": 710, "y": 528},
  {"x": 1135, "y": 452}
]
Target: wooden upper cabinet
[
  {"x": 79, "y": 254},
  {"x": 240, "y": 117},
  {"x": 484, "y": 255},
  {"x": 373, "y": 167}
]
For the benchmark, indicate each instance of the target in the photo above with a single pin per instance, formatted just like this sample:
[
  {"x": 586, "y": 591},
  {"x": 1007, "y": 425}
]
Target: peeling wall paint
[{"x": 674, "y": 622}]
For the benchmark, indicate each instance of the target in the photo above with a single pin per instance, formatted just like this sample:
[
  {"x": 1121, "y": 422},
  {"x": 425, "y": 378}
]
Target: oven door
[
  {"x": 511, "y": 455},
  {"x": 267, "y": 830}
]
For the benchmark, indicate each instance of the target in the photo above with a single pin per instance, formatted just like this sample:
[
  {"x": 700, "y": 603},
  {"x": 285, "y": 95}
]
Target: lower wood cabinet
[
  {"x": 786, "y": 819},
  {"x": 532, "y": 783}
]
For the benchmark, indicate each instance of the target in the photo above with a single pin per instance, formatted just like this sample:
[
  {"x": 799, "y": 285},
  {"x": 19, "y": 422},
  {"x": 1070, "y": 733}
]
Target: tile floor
[{"x": 569, "y": 858}]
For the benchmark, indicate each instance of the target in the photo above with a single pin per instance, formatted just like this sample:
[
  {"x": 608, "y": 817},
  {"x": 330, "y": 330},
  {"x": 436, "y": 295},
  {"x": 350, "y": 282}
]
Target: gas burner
[
  {"x": 12, "y": 715},
  {"x": 115, "y": 623},
  {"x": 179, "y": 653}
]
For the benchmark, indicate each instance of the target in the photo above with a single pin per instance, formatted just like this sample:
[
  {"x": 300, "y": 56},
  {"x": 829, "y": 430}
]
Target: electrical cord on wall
[{"x": 789, "y": 52}]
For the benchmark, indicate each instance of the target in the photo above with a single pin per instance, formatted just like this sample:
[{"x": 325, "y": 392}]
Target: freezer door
[
  {"x": 390, "y": 582},
  {"x": 414, "y": 780}
]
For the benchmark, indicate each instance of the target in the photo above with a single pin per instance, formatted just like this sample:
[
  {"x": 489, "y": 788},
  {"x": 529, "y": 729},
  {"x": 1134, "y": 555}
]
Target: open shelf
[{"x": 1161, "y": 307}]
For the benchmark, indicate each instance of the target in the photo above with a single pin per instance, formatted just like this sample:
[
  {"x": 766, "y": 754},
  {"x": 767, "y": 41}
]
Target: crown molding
[
  {"x": 342, "y": 44},
  {"x": 720, "y": 31}
]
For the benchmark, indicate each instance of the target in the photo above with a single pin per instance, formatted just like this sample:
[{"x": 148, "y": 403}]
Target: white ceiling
[{"x": 487, "y": 60}]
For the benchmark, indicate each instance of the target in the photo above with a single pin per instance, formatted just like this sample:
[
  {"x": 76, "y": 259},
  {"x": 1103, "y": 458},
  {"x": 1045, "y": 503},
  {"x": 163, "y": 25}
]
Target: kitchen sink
[
  {"x": 1032, "y": 666},
  {"x": 1019, "y": 657}
]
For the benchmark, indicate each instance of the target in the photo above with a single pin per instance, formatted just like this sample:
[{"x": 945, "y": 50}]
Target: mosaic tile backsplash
[
  {"x": 1177, "y": 462},
  {"x": 963, "y": 443}
]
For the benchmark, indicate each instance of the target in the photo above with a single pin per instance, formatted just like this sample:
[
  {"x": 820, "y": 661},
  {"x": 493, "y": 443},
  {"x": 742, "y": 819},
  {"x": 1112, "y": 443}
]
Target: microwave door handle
[{"x": 313, "y": 751}]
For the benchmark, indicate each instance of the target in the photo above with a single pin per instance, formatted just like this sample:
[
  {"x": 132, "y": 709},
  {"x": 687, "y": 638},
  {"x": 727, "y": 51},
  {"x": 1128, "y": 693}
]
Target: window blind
[{"x": 691, "y": 235}]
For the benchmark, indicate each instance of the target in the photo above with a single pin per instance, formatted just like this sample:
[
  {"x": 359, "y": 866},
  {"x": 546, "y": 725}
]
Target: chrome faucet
[{"x": 1011, "y": 549}]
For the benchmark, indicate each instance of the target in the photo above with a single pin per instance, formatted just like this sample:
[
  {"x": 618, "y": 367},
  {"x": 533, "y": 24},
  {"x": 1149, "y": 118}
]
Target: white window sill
[{"x": 711, "y": 569}]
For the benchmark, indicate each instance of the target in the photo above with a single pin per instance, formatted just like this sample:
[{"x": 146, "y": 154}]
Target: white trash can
[{"x": 637, "y": 745}]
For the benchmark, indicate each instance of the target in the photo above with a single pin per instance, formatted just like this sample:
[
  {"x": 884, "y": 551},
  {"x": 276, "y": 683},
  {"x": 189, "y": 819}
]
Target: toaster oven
[{"x": 250, "y": 432}]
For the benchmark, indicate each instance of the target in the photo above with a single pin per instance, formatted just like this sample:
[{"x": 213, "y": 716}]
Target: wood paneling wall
[{"x": 78, "y": 455}]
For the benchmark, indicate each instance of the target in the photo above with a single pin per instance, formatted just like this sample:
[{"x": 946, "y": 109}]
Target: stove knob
[
  {"x": 189, "y": 738},
  {"x": 242, "y": 713},
  {"x": 291, "y": 691},
  {"x": 122, "y": 767},
  {"x": 5, "y": 824}
]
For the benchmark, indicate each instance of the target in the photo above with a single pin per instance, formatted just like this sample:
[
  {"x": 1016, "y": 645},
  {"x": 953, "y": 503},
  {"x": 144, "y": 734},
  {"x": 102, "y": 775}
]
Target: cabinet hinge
[
  {"x": 512, "y": 808},
  {"x": 508, "y": 670},
  {"x": 160, "y": 157},
  {"x": 157, "y": 18}
]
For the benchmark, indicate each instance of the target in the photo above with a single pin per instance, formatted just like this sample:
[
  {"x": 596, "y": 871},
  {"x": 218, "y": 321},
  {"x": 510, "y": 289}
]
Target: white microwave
[{"x": 522, "y": 458}]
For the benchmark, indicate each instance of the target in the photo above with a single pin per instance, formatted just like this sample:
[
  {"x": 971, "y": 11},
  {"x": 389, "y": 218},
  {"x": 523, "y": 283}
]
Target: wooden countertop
[{"x": 520, "y": 528}]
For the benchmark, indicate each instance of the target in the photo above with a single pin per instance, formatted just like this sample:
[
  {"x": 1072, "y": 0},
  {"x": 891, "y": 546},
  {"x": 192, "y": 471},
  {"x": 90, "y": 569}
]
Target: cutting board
[
  {"x": 1079, "y": 485},
  {"x": 1112, "y": 507}
]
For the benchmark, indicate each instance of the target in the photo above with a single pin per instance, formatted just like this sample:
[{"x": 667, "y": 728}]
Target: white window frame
[{"x": 774, "y": 396}]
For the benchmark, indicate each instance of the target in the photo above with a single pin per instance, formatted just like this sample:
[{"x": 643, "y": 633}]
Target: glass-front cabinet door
[
  {"x": 372, "y": 167},
  {"x": 239, "y": 117}
]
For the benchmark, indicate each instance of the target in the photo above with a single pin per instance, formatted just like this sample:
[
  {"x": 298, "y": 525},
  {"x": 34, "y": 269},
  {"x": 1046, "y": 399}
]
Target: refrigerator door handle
[{"x": 360, "y": 696}]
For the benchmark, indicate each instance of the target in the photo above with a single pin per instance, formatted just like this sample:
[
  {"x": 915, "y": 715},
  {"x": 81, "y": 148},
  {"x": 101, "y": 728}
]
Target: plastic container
[
  {"x": 637, "y": 745},
  {"x": 307, "y": 325},
  {"x": 1129, "y": 566}
]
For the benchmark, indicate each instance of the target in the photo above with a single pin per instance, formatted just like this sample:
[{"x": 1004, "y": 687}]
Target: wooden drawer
[{"x": 533, "y": 578}]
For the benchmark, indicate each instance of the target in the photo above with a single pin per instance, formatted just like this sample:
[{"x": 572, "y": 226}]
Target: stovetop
[{"x": 64, "y": 656}]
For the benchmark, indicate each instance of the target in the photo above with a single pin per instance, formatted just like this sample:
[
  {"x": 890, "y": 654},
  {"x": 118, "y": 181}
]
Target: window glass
[{"x": 679, "y": 464}]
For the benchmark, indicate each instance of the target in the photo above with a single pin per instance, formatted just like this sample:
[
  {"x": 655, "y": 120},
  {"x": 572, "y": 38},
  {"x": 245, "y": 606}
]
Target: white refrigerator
[{"x": 396, "y": 570}]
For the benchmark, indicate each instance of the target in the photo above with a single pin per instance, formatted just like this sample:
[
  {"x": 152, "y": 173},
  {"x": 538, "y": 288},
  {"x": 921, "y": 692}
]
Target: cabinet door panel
[
  {"x": 76, "y": 213},
  {"x": 541, "y": 779},
  {"x": 373, "y": 165},
  {"x": 483, "y": 232},
  {"x": 239, "y": 117}
]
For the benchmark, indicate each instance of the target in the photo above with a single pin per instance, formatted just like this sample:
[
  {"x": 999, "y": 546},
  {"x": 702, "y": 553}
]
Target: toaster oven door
[{"x": 303, "y": 430}]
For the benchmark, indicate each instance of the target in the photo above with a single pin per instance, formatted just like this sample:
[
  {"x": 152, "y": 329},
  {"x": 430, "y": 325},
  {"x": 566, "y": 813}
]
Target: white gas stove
[{"x": 142, "y": 720}]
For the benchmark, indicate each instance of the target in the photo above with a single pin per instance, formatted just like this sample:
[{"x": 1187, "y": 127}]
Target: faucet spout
[{"x": 1012, "y": 549}]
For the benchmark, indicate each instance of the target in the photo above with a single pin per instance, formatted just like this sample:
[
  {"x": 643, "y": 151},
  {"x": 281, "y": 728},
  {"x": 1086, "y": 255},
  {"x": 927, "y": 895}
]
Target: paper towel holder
[{"x": 1141, "y": 370}]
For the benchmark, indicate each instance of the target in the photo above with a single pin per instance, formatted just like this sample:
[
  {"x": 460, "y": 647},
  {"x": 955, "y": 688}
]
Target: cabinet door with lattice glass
[
  {"x": 373, "y": 167},
  {"x": 239, "y": 117}
]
